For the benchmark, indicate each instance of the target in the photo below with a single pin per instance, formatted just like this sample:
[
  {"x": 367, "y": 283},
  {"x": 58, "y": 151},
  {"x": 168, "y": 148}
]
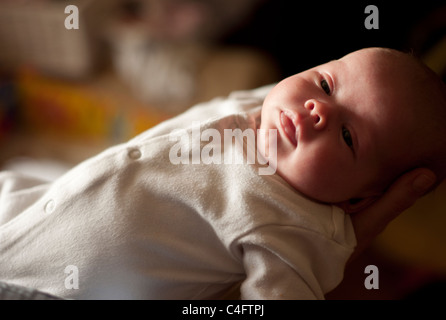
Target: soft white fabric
[{"x": 130, "y": 224}]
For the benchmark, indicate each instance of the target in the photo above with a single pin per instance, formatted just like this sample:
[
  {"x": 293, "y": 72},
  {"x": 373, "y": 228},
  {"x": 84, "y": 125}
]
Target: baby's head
[{"x": 348, "y": 128}]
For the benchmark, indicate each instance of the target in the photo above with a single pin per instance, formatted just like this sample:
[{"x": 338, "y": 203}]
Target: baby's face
[{"x": 337, "y": 126}]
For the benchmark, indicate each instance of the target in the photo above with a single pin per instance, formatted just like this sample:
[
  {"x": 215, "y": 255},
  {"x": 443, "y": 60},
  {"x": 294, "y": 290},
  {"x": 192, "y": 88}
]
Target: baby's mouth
[{"x": 288, "y": 127}]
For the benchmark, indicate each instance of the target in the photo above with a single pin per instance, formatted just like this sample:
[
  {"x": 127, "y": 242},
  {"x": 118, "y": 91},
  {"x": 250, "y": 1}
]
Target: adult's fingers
[{"x": 400, "y": 196}]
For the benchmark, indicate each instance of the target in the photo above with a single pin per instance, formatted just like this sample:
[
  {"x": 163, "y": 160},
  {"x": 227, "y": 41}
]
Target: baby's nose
[{"x": 318, "y": 112}]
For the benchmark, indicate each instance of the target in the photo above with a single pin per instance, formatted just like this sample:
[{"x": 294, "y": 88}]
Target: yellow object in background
[{"x": 98, "y": 109}]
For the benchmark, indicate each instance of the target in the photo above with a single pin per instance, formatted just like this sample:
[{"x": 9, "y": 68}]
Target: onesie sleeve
[
  {"x": 289, "y": 262},
  {"x": 268, "y": 278}
]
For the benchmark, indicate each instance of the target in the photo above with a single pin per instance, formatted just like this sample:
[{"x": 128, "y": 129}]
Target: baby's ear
[{"x": 356, "y": 204}]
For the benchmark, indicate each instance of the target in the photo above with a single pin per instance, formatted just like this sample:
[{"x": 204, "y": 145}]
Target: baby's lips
[{"x": 288, "y": 127}]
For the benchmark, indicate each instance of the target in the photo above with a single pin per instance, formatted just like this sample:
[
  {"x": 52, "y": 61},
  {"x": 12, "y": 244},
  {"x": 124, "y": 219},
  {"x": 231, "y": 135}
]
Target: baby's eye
[
  {"x": 347, "y": 137},
  {"x": 325, "y": 86}
]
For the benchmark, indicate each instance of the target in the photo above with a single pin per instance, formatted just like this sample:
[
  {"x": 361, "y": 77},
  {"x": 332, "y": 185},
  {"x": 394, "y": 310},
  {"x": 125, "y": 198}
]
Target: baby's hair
[{"x": 430, "y": 111}]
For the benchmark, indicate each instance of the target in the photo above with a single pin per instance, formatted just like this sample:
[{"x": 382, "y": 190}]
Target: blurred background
[{"x": 66, "y": 94}]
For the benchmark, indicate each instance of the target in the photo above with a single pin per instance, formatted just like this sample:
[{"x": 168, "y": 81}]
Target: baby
[
  {"x": 133, "y": 223},
  {"x": 348, "y": 128}
]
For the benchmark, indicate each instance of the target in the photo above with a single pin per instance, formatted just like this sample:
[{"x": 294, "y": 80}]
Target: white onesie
[{"x": 131, "y": 224}]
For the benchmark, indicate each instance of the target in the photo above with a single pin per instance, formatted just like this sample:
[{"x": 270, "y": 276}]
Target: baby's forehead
[
  {"x": 376, "y": 56},
  {"x": 385, "y": 74},
  {"x": 383, "y": 63}
]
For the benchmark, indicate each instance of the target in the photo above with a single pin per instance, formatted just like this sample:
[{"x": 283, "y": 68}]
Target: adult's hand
[{"x": 403, "y": 193}]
